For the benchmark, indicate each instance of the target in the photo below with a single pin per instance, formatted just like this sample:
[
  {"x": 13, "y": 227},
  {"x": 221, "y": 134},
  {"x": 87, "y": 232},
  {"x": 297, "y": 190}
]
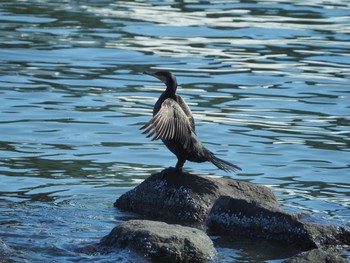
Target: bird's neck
[
  {"x": 170, "y": 90},
  {"x": 168, "y": 93}
]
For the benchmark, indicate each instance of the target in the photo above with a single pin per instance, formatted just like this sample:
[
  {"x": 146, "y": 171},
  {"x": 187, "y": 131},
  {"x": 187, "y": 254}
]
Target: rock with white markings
[
  {"x": 246, "y": 218},
  {"x": 183, "y": 198}
]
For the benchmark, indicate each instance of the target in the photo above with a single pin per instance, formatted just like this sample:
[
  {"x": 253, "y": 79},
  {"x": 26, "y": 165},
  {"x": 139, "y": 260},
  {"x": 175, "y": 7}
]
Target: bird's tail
[{"x": 223, "y": 165}]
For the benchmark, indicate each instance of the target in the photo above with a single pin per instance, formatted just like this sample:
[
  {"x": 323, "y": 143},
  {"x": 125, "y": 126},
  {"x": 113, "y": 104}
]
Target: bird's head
[{"x": 164, "y": 76}]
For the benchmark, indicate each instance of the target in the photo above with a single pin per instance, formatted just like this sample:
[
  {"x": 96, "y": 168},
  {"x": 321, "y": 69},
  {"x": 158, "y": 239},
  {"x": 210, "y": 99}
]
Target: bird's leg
[
  {"x": 178, "y": 168},
  {"x": 180, "y": 163}
]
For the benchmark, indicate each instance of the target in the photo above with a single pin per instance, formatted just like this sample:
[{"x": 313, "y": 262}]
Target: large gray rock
[
  {"x": 246, "y": 218},
  {"x": 162, "y": 242},
  {"x": 317, "y": 256},
  {"x": 183, "y": 198},
  {"x": 228, "y": 208}
]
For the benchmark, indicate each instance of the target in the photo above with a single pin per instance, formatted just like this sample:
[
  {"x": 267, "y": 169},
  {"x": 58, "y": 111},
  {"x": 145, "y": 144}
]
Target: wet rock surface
[
  {"x": 187, "y": 199},
  {"x": 317, "y": 256},
  {"x": 225, "y": 207},
  {"x": 246, "y": 218},
  {"x": 162, "y": 242},
  {"x": 324, "y": 236}
]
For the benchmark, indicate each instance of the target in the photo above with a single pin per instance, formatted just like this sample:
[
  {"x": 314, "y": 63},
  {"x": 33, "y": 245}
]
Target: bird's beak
[
  {"x": 153, "y": 74},
  {"x": 150, "y": 73}
]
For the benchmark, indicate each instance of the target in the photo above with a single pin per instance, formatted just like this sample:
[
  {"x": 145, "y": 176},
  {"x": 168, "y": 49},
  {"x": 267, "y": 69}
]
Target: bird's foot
[
  {"x": 169, "y": 171},
  {"x": 165, "y": 172}
]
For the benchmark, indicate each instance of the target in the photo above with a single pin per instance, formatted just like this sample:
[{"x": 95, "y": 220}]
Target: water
[{"x": 268, "y": 83}]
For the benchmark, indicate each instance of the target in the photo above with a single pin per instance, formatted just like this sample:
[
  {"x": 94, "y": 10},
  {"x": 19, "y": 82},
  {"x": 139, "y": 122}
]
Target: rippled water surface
[{"x": 268, "y": 83}]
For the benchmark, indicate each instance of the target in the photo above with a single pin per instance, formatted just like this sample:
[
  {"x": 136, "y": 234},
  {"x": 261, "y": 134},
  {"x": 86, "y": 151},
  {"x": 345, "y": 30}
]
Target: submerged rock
[
  {"x": 317, "y": 256},
  {"x": 183, "y": 198},
  {"x": 162, "y": 242},
  {"x": 5, "y": 253},
  {"x": 9, "y": 255},
  {"x": 246, "y": 218}
]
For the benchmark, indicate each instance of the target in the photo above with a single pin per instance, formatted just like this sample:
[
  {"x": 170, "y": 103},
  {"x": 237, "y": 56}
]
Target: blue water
[{"x": 268, "y": 84}]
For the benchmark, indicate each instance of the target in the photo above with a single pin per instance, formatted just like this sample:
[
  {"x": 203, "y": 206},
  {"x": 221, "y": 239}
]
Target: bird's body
[{"x": 173, "y": 123}]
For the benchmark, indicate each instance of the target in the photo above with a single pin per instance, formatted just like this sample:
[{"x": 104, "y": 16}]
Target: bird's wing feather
[
  {"x": 170, "y": 123},
  {"x": 186, "y": 110}
]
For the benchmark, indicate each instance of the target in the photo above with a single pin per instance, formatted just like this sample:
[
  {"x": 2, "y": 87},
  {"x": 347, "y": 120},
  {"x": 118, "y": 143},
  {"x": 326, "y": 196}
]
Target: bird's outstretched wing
[
  {"x": 170, "y": 123},
  {"x": 186, "y": 110}
]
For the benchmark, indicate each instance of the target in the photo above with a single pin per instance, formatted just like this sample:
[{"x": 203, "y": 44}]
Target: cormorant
[{"x": 173, "y": 123}]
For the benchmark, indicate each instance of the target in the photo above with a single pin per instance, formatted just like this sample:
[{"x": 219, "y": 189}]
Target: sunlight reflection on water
[{"x": 268, "y": 84}]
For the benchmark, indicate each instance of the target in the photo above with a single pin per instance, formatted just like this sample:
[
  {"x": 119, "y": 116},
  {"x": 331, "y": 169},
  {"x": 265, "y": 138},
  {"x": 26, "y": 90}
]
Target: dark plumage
[{"x": 173, "y": 123}]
